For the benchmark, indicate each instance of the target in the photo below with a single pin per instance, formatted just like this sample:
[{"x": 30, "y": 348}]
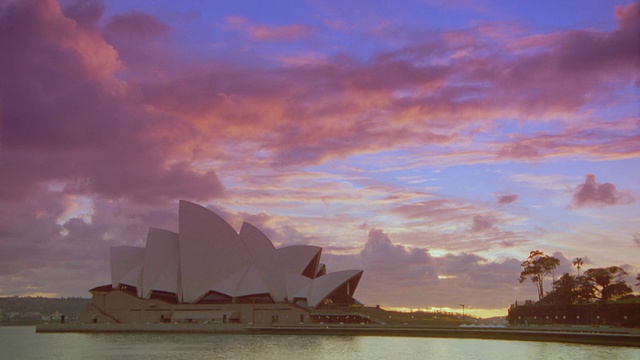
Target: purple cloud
[
  {"x": 483, "y": 223},
  {"x": 418, "y": 278},
  {"x": 136, "y": 24},
  {"x": 591, "y": 193},
  {"x": 506, "y": 199}
]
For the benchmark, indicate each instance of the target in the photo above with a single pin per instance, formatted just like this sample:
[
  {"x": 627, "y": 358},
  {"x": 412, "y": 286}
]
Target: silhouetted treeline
[{"x": 599, "y": 296}]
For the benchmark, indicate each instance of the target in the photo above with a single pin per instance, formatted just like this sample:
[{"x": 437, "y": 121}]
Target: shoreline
[{"x": 579, "y": 335}]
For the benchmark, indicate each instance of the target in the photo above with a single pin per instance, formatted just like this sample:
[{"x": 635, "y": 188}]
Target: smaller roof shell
[
  {"x": 287, "y": 260},
  {"x": 126, "y": 265},
  {"x": 320, "y": 288},
  {"x": 161, "y": 262},
  {"x": 256, "y": 242}
]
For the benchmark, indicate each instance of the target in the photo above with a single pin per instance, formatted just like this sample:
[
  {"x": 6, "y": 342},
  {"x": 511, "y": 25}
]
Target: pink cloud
[
  {"x": 266, "y": 32},
  {"x": 398, "y": 98},
  {"x": 278, "y": 33},
  {"x": 518, "y": 150},
  {"x": 436, "y": 210},
  {"x": 591, "y": 193},
  {"x": 589, "y": 138}
]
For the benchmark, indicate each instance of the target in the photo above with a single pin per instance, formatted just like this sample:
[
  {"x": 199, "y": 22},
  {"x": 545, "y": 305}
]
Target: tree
[
  {"x": 570, "y": 289},
  {"x": 577, "y": 262},
  {"x": 537, "y": 267},
  {"x": 609, "y": 282},
  {"x": 638, "y": 278}
]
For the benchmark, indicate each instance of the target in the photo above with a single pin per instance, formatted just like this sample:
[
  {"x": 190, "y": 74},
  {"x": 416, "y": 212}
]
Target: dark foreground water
[{"x": 24, "y": 343}]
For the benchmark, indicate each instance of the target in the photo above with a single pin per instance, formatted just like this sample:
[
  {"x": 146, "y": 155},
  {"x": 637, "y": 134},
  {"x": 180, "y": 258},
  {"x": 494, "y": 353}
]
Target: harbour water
[{"x": 24, "y": 343}]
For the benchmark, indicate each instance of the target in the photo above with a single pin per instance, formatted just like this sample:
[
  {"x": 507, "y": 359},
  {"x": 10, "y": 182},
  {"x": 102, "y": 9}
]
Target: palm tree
[{"x": 577, "y": 262}]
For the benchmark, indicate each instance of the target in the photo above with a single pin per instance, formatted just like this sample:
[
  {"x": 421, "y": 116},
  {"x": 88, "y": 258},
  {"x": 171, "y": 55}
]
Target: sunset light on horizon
[{"x": 431, "y": 143}]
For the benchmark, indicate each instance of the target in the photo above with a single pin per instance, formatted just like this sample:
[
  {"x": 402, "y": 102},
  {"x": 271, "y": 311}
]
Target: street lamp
[{"x": 462, "y": 312}]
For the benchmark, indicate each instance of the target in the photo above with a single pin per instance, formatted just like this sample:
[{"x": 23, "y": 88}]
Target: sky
[{"x": 431, "y": 143}]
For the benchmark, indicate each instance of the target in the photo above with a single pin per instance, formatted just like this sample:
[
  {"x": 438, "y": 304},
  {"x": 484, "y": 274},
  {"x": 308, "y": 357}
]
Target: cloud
[
  {"x": 278, "y": 33},
  {"x": 483, "y": 223},
  {"x": 418, "y": 94},
  {"x": 86, "y": 13},
  {"x": 518, "y": 151},
  {"x": 506, "y": 199},
  {"x": 46, "y": 250},
  {"x": 53, "y": 78},
  {"x": 435, "y": 210},
  {"x": 591, "y": 193},
  {"x": 379, "y": 252},
  {"x": 260, "y": 32},
  {"x": 68, "y": 121},
  {"x": 591, "y": 138},
  {"x": 636, "y": 238},
  {"x": 143, "y": 45},
  {"x": 411, "y": 277}
]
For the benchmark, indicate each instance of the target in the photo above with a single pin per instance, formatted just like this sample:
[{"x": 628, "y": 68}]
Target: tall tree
[
  {"x": 609, "y": 282},
  {"x": 537, "y": 267},
  {"x": 638, "y": 278},
  {"x": 577, "y": 262}
]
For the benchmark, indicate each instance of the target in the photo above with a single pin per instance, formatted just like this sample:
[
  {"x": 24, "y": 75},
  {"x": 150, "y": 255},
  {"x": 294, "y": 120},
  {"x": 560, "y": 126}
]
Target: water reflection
[{"x": 24, "y": 343}]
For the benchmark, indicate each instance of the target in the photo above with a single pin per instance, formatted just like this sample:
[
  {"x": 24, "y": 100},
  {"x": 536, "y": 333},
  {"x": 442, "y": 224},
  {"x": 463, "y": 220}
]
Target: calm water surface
[{"x": 24, "y": 343}]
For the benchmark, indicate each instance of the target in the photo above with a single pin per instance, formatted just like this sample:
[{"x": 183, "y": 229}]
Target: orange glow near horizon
[{"x": 479, "y": 313}]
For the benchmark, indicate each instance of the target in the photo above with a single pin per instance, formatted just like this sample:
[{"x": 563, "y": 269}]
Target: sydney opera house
[{"x": 209, "y": 273}]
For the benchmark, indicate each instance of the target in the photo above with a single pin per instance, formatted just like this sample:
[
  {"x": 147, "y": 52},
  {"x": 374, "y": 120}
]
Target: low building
[{"x": 209, "y": 273}]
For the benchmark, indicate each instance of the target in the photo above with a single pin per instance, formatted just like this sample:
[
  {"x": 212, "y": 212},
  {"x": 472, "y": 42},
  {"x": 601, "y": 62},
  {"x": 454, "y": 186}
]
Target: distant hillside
[{"x": 33, "y": 310}]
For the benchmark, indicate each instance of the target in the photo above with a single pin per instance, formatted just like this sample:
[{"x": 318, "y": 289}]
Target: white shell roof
[
  {"x": 256, "y": 241},
  {"x": 161, "y": 262},
  {"x": 209, "y": 255},
  {"x": 295, "y": 285},
  {"x": 245, "y": 282},
  {"x": 288, "y": 260},
  {"x": 323, "y": 286},
  {"x": 210, "y": 250},
  {"x": 126, "y": 265},
  {"x": 291, "y": 259}
]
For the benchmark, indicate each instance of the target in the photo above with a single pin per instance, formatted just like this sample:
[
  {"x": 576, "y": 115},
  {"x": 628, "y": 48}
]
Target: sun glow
[{"x": 479, "y": 313}]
